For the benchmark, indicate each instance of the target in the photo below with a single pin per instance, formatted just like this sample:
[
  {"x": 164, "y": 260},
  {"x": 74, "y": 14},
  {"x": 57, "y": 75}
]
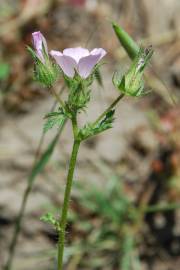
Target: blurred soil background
[{"x": 135, "y": 163}]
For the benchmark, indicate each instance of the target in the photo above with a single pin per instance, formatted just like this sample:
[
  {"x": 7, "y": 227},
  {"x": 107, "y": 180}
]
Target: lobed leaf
[{"x": 54, "y": 118}]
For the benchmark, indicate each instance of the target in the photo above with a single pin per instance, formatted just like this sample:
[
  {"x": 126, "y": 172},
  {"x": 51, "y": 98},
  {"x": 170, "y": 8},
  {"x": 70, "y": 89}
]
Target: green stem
[
  {"x": 161, "y": 207},
  {"x": 109, "y": 108},
  {"x": 74, "y": 126},
  {"x": 57, "y": 97},
  {"x": 63, "y": 219}
]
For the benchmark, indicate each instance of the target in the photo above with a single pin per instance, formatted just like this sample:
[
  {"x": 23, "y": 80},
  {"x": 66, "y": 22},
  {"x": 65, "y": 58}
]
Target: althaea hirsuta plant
[{"x": 79, "y": 67}]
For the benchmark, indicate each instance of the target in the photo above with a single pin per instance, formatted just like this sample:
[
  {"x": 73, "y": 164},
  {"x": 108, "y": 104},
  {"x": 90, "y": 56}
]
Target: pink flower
[
  {"x": 78, "y": 59},
  {"x": 39, "y": 42}
]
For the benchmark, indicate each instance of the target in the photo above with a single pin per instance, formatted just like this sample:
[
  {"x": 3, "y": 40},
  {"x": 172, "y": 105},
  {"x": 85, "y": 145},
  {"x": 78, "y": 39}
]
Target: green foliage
[
  {"x": 50, "y": 219},
  {"x": 106, "y": 222},
  {"x": 54, "y": 118},
  {"x": 79, "y": 95},
  {"x": 79, "y": 90},
  {"x": 41, "y": 163},
  {"x": 4, "y": 71},
  {"x": 132, "y": 83},
  {"x": 110, "y": 204},
  {"x": 44, "y": 73},
  {"x": 78, "y": 101},
  {"x": 73, "y": 84},
  {"x": 92, "y": 129},
  {"x": 162, "y": 207},
  {"x": 32, "y": 53},
  {"x": 127, "y": 251},
  {"x": 126, "y": 41}
]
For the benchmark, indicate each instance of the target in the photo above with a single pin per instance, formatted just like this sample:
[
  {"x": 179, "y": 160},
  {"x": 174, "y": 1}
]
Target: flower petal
[
  {"x": 76, "y": 53},
  {"x": 39, "y": 41},
  {"x": 66, "y": 63},
  {"x": 86, "y": 65},
  {"x": 100, "y": 51}
]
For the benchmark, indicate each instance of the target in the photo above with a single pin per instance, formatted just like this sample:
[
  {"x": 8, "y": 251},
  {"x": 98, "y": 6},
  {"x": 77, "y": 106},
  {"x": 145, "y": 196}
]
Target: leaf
[
  {"x": 50, "y": 219},
  {"x": 126, "y": 41},
  {"x": 39, "y": 166},
  {"x": 108, "y": 119},
  {"x": 91, "y": 129},
  {"x": 53, "y": 114},
  {"x": 54, "y": 118}
]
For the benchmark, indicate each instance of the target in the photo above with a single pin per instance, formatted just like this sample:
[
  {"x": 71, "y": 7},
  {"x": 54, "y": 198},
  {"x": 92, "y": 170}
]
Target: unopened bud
[
  {"x": 132, "y": 83},
  {"x": 45, "y": 71}
]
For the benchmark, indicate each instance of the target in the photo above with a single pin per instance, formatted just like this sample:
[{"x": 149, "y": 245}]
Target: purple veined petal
[
  {"x": 76, "y": 53},
  {"x": 66, "y": 63},
  {"x": 100, "y": 51},
  {"x": 86, "y": 65},
  {"x": 40, "y": 55},
  {"x": 38, "y": 42}
]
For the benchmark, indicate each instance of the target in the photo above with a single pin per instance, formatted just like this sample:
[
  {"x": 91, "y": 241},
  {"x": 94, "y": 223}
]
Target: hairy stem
[
  {"x": 109, "y": 108},
  {"x": 57, "y": 97},
  {"x": 63, "y": 219}
]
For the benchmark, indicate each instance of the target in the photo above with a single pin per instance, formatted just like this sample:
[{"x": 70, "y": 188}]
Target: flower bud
[
  {"x": 40, "y": 46},
  {"x": 45, "y": 71},
  {"x": 132, "y": 83}
]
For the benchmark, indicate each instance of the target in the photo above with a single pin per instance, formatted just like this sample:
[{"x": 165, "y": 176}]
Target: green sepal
[
  {"x": 73, "y": 84},
  {"x": 76, "y": 82},
  {"x": 79, "y": 94},
  {"x": 126, "y": 41},
  {"x": 79, "y": 90},
  {"x": 32, "y": 53},
  {"x": 44, "y": 73},
  {"x": 132, "y": 83}
]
